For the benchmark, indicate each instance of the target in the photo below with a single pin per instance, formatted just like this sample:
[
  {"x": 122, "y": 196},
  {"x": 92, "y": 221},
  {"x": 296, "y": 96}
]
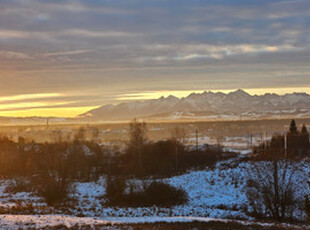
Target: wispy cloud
[
  {"x": 27, "y": 105},
  {"x": 155, "y": 94},
  {"x": 21, "y": 34},
  {"x": 14, "y": 55},
  {"x": 206, "y": 51},
  {"x": 98, "y": 33},
  {"x": 72, "y": 52},
  {"x": 47, "y": 112},
  {"x": 30, "y": 96},
  {"x": 6, "y": 34}
]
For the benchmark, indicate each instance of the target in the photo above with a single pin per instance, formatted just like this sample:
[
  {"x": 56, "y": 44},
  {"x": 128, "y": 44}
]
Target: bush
[
  {"x": 164, "y": 194},
  {"x": 52, "y": 188},
  {"x": 165, "y": 158},
  {"x": 18, "y": 185},
  {"x": 157, "y": 193},
  {"x": 115, "y": 187}
]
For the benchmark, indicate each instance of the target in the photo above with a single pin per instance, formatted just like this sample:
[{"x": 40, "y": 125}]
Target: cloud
[
  {"x": 73, "y": 52},
  {"x": 6, "y": 34},
  {"x": 97, "y": 34},
  {"x": 48, "y": 112},
  {"x": 124, "y": 46},
  {"x": 26, "y": 105},
  {"x": 43, "y": 104},
  {"x": 14, "y": 55},
  {"x": 30, "y": 96},
  {"x": 20, "y": 34},
  {"x": 206, "y": 51}
]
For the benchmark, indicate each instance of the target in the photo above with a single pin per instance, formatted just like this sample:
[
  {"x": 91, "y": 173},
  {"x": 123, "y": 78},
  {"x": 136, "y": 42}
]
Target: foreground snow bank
[
  {"x": 219, "y": 192},
  {"x": 41, "y": 221},
  {"x": 214, "y": 193},
  {"x": 44, "y": 221}
]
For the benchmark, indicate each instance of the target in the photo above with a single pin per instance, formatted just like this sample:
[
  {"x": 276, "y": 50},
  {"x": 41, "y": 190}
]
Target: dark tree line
[
  {"x": 164, "y": 157},
  {"x": 53, "y": 167}
]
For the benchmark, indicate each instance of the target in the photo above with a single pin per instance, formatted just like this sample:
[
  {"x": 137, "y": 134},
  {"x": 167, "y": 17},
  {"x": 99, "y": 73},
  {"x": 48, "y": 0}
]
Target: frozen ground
[
  {"x": 62, "y": 221},
  {"x": 41, "y": 221},
  {"x": 217, "y": 193},
  {"x": 213, "y": 193}
]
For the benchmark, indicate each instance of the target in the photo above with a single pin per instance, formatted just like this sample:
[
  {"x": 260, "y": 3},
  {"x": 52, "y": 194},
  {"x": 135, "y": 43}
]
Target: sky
[{"x": 62, "y": 58}]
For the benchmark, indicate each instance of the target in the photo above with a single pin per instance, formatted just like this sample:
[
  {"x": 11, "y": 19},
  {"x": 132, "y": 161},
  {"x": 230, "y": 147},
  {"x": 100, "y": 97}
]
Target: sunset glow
[
  {"x": 30, "y": 96},
  {"x": 47, "y": 112},
  {"x": 73, "y": 55},
  {"x": 155, "y": 114}
]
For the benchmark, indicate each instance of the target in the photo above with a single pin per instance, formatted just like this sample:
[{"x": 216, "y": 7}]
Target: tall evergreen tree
[
  {"x": 293, "y": 127},
  {"x": 304, "y": 129}
]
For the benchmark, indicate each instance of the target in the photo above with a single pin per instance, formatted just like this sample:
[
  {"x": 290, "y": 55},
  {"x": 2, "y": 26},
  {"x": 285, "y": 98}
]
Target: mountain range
[{"x": 207, "y": 105}]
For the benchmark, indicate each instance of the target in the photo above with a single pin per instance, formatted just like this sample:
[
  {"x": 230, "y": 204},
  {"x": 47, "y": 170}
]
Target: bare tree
[
  {"x": 178, "y": 136},
  {"x": 219, "y": 141},
  {"x": 56, "y": 136},
  {"x": 137, "y": 137},
  {"x": 272, "y": 189},
  {"x": 80, "y": 135},
  {"x": 53, "y": 182},
  {"x": 95, "y": 134}
]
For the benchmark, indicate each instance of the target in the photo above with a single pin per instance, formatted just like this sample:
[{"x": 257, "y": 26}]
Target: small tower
[{"x": 47, "y": 123}]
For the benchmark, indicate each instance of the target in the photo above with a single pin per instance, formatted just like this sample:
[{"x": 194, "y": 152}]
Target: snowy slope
[
  {"x": 57, "y": 221},
  {"x": 214, "y": 193}
]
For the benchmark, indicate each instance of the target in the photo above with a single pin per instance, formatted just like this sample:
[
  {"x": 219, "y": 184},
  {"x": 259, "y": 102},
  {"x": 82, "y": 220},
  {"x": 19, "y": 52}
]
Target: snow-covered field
[
  {"x": 213, "y": 193},
  {"x": 62, "y": 221}
]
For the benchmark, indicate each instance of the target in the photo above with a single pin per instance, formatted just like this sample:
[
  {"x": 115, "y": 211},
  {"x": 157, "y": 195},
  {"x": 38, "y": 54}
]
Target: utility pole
[
  {"x": 140, "y": 155},
  {"x": 196, "y": 139},
  {"x": 109, "y": 157},
  {"x": 285, "y": 142},
  {"x": 265, "y": 139},
  {"x": 251, "y": 141},
  {"x": 47, "y": 123},
  {"x": 176, "y": 155}
]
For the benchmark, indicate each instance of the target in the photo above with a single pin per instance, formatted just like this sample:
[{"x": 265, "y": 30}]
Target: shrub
[
  {"x": 18, "y": 185},
  {"x": 160, "y": 194},
  {"x": 157, "y": 193},
  {"x": 52, "y": 188},
  {"x": 115, "y": 187},
  {"x": 165, "y": 158}
]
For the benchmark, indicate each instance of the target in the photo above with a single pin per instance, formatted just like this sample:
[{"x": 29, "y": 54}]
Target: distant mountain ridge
[{"x": 206, "y": 104}]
